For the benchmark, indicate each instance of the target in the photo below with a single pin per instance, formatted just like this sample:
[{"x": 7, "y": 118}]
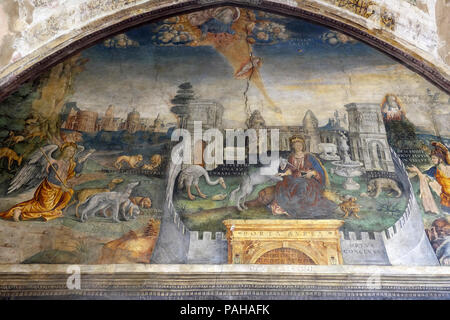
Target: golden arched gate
[{"x": 284, "y": 241}]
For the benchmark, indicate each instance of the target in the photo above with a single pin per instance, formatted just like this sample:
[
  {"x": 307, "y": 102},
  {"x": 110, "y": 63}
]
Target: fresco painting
[{"x": 363, "y": 169}]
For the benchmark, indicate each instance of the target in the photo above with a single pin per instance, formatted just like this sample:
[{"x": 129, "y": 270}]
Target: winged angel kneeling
[{"x": 52, "y": 194}]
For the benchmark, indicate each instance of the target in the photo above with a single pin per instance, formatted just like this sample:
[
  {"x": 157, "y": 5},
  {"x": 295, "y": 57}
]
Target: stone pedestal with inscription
[{"x": 310, "y": 242}]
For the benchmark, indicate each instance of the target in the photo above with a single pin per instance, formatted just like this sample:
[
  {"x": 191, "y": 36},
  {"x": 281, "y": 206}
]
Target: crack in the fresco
[
  {"x": 346, "y": 87},
  {"x": 250, "y": 52},
  {"x": 247, "y": 108}
]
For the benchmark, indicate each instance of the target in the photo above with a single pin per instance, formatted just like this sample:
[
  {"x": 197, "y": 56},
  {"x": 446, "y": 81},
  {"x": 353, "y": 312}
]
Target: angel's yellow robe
[{"x": 48, "y": 201}]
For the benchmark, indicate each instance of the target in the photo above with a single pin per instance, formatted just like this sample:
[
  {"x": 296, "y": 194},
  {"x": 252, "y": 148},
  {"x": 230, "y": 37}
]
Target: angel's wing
[
  {"x": 174, "y": 170},
  {"x": 35, "y": 168},
  {"x": 80, "y": 150},
  {"x": 82, "y": 153}
]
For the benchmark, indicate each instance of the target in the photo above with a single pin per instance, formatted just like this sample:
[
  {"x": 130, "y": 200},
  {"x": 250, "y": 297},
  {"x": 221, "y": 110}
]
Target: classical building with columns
[{"x": 367, "y": 137}]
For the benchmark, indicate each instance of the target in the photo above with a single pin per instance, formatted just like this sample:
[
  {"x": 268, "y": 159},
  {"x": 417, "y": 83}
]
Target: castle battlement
[
  {"x": 208, "y": 250},
  {"x": 404, "y": 243},
  {"x": 207, "y": 236}
]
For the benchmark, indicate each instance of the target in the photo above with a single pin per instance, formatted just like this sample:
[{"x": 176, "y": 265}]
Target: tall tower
[
  {"x": 133, "y": 123},
  {"x": 86, "y": 121},
  {"x": 311, "y": 131},
  {"x": 108, "y": 120},
  {"x": 367, "y": 137},
  {"x": 158, "y": 124}
]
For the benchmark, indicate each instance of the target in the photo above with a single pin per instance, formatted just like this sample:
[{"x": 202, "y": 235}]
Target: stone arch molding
[
  {"x": 315, "y": 256},
  {"x": 41, "y": 33}
]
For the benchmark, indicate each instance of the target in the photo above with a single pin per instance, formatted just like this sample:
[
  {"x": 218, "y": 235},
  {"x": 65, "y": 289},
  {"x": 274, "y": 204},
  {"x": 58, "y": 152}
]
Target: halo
[
  {"x": 236, "y": 14},
  {"x": 443, "y": 148}
]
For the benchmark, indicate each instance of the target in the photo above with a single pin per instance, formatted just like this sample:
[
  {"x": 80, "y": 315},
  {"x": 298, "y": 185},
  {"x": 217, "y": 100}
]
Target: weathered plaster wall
[
  {"x": 30, "y": 30},
  {"x": 442, "y": 12}
]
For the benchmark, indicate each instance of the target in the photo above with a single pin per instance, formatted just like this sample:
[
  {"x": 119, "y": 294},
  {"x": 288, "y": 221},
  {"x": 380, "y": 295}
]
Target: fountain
[
  {"x": 347, "y": 168},
  {"x": 328, "y": 151}
]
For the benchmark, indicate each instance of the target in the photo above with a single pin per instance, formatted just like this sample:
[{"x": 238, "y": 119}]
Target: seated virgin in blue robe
[{"x": 302, "y": 197}]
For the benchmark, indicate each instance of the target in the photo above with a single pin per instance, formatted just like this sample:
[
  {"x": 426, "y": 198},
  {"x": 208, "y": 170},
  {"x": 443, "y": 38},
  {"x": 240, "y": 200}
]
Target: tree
[
  {"x": 399, "y": 131},
  {"x": 184, "y": 96},
  {"x": 15, "y": 109},
  {"x": 402, "y": 137}
]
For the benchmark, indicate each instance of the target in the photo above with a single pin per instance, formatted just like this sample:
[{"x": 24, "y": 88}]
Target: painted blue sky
[{"x": 312, "y": 67}]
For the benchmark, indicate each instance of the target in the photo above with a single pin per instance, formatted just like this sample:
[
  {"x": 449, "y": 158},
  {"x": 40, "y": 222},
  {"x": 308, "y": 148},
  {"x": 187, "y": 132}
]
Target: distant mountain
[{"x": 427, "y": 138}]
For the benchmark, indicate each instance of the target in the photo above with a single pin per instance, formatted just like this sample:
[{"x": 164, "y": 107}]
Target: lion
[
  {"x": 143, "y": 202},
  {"x": 155, "y": 162},
  {"x": 131, "y": 160},
  {"x": 349, "y": 206},
  {"x": 377, "y": 185}
]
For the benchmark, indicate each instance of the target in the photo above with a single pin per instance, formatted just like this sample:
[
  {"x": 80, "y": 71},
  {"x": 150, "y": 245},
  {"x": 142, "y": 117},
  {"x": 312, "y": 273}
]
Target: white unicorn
[{"x": 249, "y": 181}]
